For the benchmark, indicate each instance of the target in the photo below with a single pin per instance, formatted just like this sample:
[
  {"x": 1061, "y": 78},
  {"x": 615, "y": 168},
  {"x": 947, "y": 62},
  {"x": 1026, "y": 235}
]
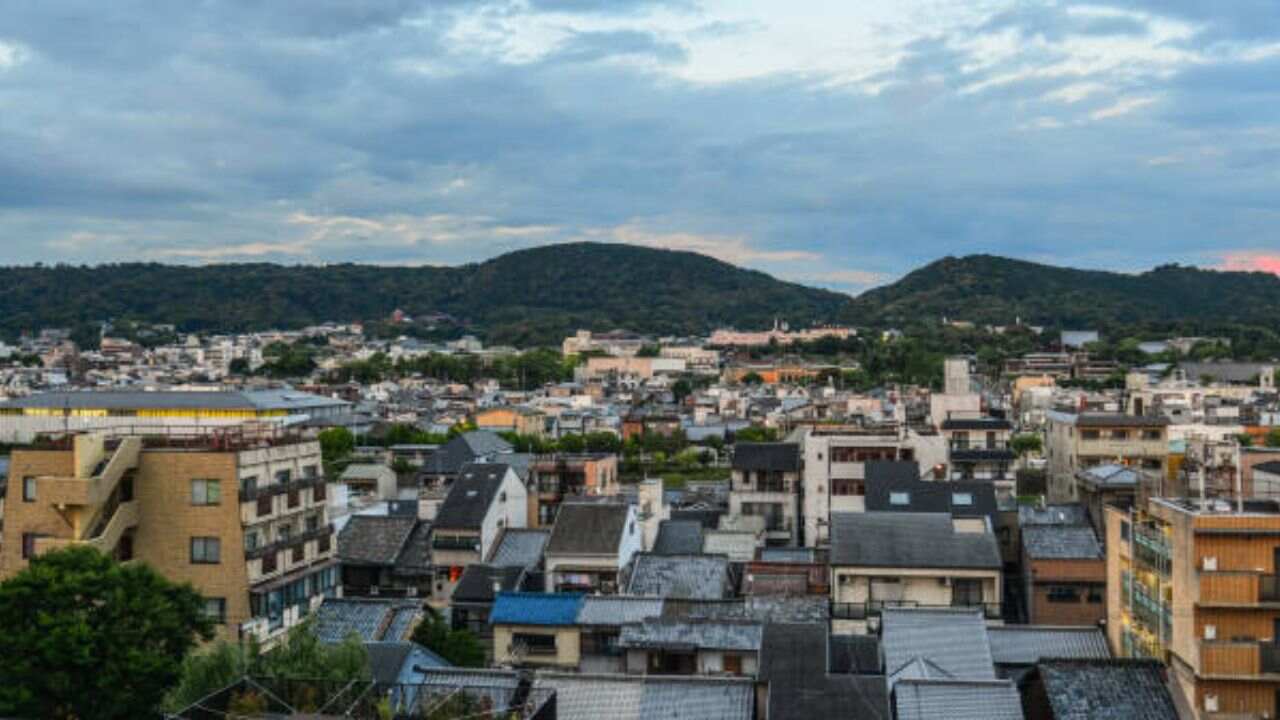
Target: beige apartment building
[
  {"x": 1198, "y": 588},
  {"x": 239, "y": 513},
  {"x": 1079, "y": 441}
]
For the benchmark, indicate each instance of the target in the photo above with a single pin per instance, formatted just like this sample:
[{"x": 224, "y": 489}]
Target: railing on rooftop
[
  {"x": 873, "y": 608},
  {"x": 245, "y": 436}
]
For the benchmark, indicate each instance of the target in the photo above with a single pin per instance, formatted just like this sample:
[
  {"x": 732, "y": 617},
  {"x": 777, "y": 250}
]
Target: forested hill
[
  {"x": 525, "y": 297},
  {"x": 990, "y": 289}
]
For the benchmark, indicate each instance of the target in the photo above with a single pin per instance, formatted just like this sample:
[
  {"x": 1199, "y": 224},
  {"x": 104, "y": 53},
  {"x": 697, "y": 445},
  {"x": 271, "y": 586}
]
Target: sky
[{"x": 838, "y": 143}]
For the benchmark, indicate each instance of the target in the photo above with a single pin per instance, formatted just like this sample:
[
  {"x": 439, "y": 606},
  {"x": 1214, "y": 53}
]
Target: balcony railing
[
  {"x": 1239, "y": 658},
  {"x": 873, "y": 608},
  {"x": 273, "y": 489},
  {"x": 289, "y": 542},
  {"x": 455, "y": 543}
]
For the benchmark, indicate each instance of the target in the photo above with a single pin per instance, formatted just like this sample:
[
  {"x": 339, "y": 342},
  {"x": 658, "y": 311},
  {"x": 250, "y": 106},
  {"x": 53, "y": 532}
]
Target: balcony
[
  {"x": 1238, "y": 589},
  {"x": 288, "y": 543},
  {"x": 471, "y": 544},
  {"x": 253, "y": 493},
  {"x": 1239, "y": 658}
]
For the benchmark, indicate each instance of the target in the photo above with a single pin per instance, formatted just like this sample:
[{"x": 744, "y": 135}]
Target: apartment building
[
  {"x": 835, "y": 473},
  {"x": 555, "y": 477},
  {"x": 978, "y": 449},
  {"x": 1198, "y": 587},
  {"x": 766, "y": 483},
  {"x": 240, "y": 515},
  {"x": 1079, "y": 441}
]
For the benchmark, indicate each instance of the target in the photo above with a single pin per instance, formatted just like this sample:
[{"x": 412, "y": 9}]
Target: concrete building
[
  {"x": 138, "y": 412},
  {"x": 556, "y": 477},
  {"x": 485, "y": 499},
  {"x": 766, "y": 483},
  {"x": 1198, "y": 587},
  {"x": 1078, "y": 441},
  {"x": 590, "y": 545},
  {"x": 835, "y": 459},
  {"x": 241, "y": 517}
]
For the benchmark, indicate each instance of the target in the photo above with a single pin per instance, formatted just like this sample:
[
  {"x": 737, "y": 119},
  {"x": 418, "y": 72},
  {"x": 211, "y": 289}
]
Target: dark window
[
  {"x": 283, "y": 477},
  {"x": 216, "y": 610},
  {"x": 966, "y": 591},
  {"x": 264, "y": 506},
  {"x": 322, "y": 545},
  {"x": 317, "y": 494},
  {"x": 299, "y": 553},
  {"x": 733, "y": 664},
  {"x": 206, "y": 550},
  {"x": 1063, "y": 594},
  {"x": 841, "y": 486},
  {"x": 295, "y": 498},
  {"x": 206, "y": 492},
  {"x": 1124, "y": 530},
  {"x": 534, "y": 644},
  {"x": 310, "y": 472},
  {"x": 28, "y": 489},
  {"x": 1089, "y": 435},
  {"x": 248, "y": 484},
  {"x": 313, "y": 523},
  {"x": 29, "y": 544},
  {"x": 1151, "y": 434},
  {"x": 269, "y": 563},
  {"x": 1095, "y": 594}
]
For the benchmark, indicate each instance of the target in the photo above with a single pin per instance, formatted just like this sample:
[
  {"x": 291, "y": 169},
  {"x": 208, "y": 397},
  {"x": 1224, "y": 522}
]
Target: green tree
[
  {"x": 85, "y": 637},
  {"x": 1026, "y": 443},
  {"x": 1245, "y": 440},
  {"x": 603, "y": 442},
  {"x": 239, "y": 366},
  {"x": 756, "y": 433},
  {"x": 1273, "y": 438},
  {"x": 752, "y": 378},
  {"x": 572, "y": 444},
  {"x": 681, "y": 389},
  {"x": 459, "y": 647},
  {"x": 336, "y": 443}
]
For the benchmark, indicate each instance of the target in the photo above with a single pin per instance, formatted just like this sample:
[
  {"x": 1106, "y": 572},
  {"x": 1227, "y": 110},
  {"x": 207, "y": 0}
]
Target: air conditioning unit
[
  {"x": 1210, "y": 563},
  {"x": 1211, "y": 703}
]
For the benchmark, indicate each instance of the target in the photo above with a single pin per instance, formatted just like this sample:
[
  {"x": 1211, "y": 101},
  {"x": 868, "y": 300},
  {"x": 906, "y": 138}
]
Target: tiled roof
[
  {"x": 1110, "y": 476},
  {"x": 476, "y": 583},
  {"x": 1064, "y": 514},
  {"x": 774, "y": 457},
  {"x": 678, "y": 537},
  {"x": 468, "y": 447},
  {"x": 699, "y": 634},
  {"x": 959, "y": 498},
  {"x": 891, "y": 470},
  {"x": 854, "y": 655},
  {"x": 589, "y": 529},
  {"x": 494, "y": 688},
  {"x": 366, "y": 472},
  {"x": 1271, "y": 466},
  {"x": 793, "y": 661},
  {"x": 415, "y": 557},
  {"x": 908, "y": 540},
  {"x": 952, "y": 642},
  {"x": 1107, "y": 690},
  {"x": 609, "y": 610},
  {"x": 370, "y": 620},
  {"x": 470, "y": 496},
  {"x": 387, "y": 659},
  {"x": 519, "y": 547},
  {"x": 374, "y": 539},
  {"x": 521, "y": 608},
  {"x": 1028, "y": 644},
  {"x": 1061, "y": 542},
  {"x": 638, "y": 697},
  {"x": 738, "y": 546},
  {"x": 759, "y": 608},
  {"x": 957, "y": 700},
  {"x": 694, "y": 577}
]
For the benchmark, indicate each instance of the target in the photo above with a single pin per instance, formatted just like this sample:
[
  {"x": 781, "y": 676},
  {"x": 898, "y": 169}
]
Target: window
[
  {"x": 248, "y": 484},
  {"x": 28, "y": 489},
  {"x": 295, "y": 498},
  {"x": 1063, "y": 594},
  {"x": 284, "y": 532},
  {"x": 310, "y": 472},
  {"x": 1119, "y": 434},
  {"x": 534, "y": 644},
  {"x": 1095, "y": 594},
  {"x": 283, "y": 477},
  {"x": 1124, "y": 530},
  {"x": 842, "y": 487},
  {"x": 964, "y": 499},
  {"x": 317, "y": 493},
  {"x": 733, "y": 664},
  {"x": 299, "y": 553},
  {"x": 206, "y": 550},
  {"x": 251, "y": 540},
  {"x": 1089, "y": 435},
  {"x": 1151, "y": 434},
  {"x": 322, "y": 545},
  {"x": 966, "y": 591},
  {"x": 268, "y": 563},
  {"x": 216, "y": 610},
  {"x": 206, "y": 492},
  {"x": 29, "y": 544},
  {"x": 313, "y": 523},
  {"x": 899, "y": 498}
]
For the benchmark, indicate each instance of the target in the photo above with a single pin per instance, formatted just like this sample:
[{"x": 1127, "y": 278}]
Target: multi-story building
[
  {"x": 1198, "y": 587},
  {"x": 1078, "y": 441},
  {"x": 978, "y": 448},
  {"x": 766, "y": 482},
  {"x": 240, "y": 515},
  {"x": 835, "y": 459},
  {"x": 556, "y": 477}
]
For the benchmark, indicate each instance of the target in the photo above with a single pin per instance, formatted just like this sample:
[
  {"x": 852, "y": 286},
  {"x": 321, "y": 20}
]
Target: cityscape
[{"x": 639, "y": 360}]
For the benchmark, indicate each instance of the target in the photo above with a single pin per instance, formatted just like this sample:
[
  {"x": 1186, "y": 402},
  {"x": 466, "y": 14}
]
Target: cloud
[
  {"x": 1251, "y": 261},
  {"x": 226, "y": 253},
  {"x": 11, "y": 55},
  {"x": 1121, "y": 107},
  {"x": 735, "y": 250}
]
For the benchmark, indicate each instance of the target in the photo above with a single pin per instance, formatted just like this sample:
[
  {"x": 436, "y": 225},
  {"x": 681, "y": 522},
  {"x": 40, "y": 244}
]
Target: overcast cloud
[{"x": 831, "y": 142}]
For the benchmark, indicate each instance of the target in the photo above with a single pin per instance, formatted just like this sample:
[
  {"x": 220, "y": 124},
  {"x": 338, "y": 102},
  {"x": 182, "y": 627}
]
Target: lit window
[
  {"x": 899, "y": 498},
  {"x": 961, "y": 498}
]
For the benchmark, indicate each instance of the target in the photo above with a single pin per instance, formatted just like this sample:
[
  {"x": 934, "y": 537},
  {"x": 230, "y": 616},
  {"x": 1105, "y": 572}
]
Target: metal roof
[
  {"x": 957, "y": 700},
  {"x": 610, "y": 610},
  {"x": 519, "y": 547},
  {"x": 639, "y": 697},
  {"x": 289, "y": 400},
  {"x": 693, "y": 577},
  {"x": 742, "y": 635},
  {"x": 1028, "y": 644},
  {"x": 1107, "y": 690},
  {"x": 523, "y": 608},
  {"x": 948, "y": 643}
]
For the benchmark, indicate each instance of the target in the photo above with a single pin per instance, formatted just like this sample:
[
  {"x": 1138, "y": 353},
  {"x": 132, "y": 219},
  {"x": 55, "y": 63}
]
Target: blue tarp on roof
[{"x": 523, "y": 608}]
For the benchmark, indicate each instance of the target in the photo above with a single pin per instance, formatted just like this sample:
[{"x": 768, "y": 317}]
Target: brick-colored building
[
  {"x": 238, "y": 513},
  {"x": 1064, "y": 575}
]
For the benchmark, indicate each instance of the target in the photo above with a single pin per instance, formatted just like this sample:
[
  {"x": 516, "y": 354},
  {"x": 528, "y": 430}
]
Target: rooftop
[
  {"x": 909, "y": 540},
  {"x": 589, "y": 528},
  {"x": 1061, "y": 542},
  {"x": 1028, "y": 644},
  {"x": 640, "y": 697},
  {"x": 692, "y": 577},
  {"x": 526, "y": 608},
  {"x": 1107, "y": 690}
]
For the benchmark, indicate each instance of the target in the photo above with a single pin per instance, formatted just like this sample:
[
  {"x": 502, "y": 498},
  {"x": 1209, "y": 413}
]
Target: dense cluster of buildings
[{"x": 1011, "y": 549}]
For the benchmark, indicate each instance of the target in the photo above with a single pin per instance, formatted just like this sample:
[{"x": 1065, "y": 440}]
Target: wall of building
[
  {"x": 1088, "y": 577},
  {"x": 568, "y": 645}
]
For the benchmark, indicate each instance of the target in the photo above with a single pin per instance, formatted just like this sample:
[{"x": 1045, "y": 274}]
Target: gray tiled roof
[
  {"x": 693, "y": 577},
  {"x": 952, "y": 642},
  {"x": 387, "y": 659},
  {"x": 520, "y": 547},
  {"x": 908, "y": 540},
  {"x": 374, "y": 539},
  {"x": 465, "y": 448},
  {"x": 618, "y": 609},
  {"x": 1027, "y": 644},
  {"x": 1110, "y": 476},
  {"x": 777, "y": 457},
  {"x": 1061, "y": 542},
  {"x": 678, "y": 537},
  {"x": 957, "y": 700},
  {"x": 761, "y": 608},
  {"x": 470, "y": 496},
  {"x": 415, "y": 557},
  {"x": 476, "y": 583},
  {"x": 700, "y": 634},
  {"x": 1107, "y": 690},
  {"x": 370, "y": 620},
  {"x": 588, "y": 529},
  {"x": 793, "y": 660},
  {"x": 638, "y": 697}
]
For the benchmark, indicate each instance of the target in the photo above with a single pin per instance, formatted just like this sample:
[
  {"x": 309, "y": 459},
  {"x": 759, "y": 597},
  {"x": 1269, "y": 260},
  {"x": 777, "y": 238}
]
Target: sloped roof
[
  {"x": 1271, "y": 466},
  {"x": 957, "y": 700},
  {"x": 610, "y": 610},
  {"x": 470, "y": 496},
  {"x": 387, "y": 659},
  {"x": 588, "y": 529},
  {"x": 1061, "y": 542},
  {"x": 640, "y": 697},
  {"x": 952, "y": 642},
  {"x": 415, "y": 556},
  {"x": 374, "y": 539},
  {"x": 854, "y": 655},
  {"x": 1028, "y": 644},
  {"x": 908, "y": 540},
  {"x": 476, "y": 583},
  {"x": 1110, "y": 475},
  {"x": 449, "y": 458},
  {"x": 694, "y": 577},
  {"x": 519, "y": 547},
  {"x": 678, "y": 537},
  {"x": 1107, "y": 690},
  {"x": 369, "y": 619},
  {"x": 772, "y": 457},
  {"x": 932, "y": 497},
  {"x": 983, "y": 423},
  {"x": 366, "y": 472},
  {"x": 741, "y": 635},
  {"x": 521, "y": 608},
  {"x": 793, "y": 660}
]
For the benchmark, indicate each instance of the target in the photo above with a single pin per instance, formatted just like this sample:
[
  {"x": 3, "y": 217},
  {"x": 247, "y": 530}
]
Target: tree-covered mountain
[
  {"x": 525, "y": 297},
  {"x": 997, "y": 290}
]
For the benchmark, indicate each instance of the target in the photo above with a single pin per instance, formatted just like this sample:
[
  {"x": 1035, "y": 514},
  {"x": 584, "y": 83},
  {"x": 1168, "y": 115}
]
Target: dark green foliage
[
  {"x": 524, "y": 298},
  {"x": 1273, "y": 438},
  {"x": 85, "y": 637},
  {"x": 756, "y": 433},
  {"x": 1026, "y": 443},
  {"x": 459, "y": 647},
  {"x": 336, "y": 443}
]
